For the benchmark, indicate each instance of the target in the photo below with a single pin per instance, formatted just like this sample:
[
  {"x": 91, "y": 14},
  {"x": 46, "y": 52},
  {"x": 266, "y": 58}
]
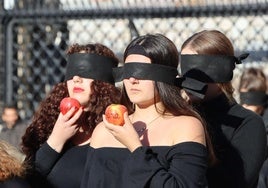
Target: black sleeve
[
  {"x": 15, "y": 182},
  {"x": 250, "y": 141},
  {"x": 45, "y": 159},
  {"x": 263, "y": 178},
  {"x": 182, "y": 166}
]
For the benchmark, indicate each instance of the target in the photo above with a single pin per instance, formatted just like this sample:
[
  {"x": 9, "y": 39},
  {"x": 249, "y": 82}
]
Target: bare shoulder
[
  {"x": 99, "y": 134},
  {"x": 187, "y": 129},
  {"x": 99, "y": 128}
]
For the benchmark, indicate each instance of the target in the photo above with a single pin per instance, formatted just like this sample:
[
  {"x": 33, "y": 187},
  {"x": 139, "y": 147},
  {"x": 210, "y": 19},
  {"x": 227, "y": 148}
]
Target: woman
[
  {"x": 252, "y": 90},
  {"x": 57, "y": 143},
  {"x": 238, "y": 135},
  {"x": 163, "y": 142}
]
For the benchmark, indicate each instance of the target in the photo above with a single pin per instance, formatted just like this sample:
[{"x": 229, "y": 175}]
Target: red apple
[
  {"x": 115, "y": 114},
  {"x": 67, "y": 103}
]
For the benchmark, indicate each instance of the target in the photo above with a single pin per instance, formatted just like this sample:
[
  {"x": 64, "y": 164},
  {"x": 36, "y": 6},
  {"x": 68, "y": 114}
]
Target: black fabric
[
  {"x": 61, "y": 170},
  {"x": 181, "y": 165},
  {"x": 92, "y": 66},
  {"x": 192, "y": 86},
  {"x": 209, "y": 68},
  {"x": 15, "y": 182},
  {"x": 253, "y": 98},
  {"x": 263, "y": 178},
  {"x": 146, "y": 71},
  {"x": 265, "y": 119},
  {"x": 239, "y": 139},
  {"x": 203, "y": 69}
]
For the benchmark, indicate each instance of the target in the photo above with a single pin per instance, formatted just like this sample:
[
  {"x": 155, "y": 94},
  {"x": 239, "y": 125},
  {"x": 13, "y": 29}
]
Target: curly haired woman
[{"x": 57, "y": 144}]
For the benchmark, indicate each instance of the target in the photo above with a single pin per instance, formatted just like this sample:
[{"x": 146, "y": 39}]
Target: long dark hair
[{"x": 162, "y": 50}]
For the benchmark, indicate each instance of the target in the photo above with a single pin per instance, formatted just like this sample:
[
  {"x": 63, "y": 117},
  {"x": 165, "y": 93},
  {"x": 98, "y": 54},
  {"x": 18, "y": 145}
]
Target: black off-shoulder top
[{"x": 181, "y": 165}]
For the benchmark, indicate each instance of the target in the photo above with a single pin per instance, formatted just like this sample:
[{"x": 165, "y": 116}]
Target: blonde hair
[{"x": 11, "y": 162}]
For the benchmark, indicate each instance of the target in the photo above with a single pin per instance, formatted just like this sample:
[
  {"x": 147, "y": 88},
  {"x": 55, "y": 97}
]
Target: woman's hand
[
  {"x": 125, "y": 134},
  {"x": 64, "y": 128}
]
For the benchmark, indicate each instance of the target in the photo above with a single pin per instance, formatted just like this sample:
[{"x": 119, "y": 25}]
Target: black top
[
  {"x": 239, "y": 140},
  {"x": 16, "y": 182},
  {"x": 61, "y": 170},
  {"x": 181, "y": 165},
  {"x": 265, "y": 119},
  {"x": 263, "y": 177}
]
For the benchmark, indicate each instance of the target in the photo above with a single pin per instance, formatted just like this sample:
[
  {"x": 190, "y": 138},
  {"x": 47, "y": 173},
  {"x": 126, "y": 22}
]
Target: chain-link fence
[{"x": 34, "y": 34}]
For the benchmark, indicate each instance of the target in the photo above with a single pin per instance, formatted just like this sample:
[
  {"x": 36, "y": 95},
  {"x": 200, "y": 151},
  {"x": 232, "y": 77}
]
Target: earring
[{"x": 133, "y": 106}]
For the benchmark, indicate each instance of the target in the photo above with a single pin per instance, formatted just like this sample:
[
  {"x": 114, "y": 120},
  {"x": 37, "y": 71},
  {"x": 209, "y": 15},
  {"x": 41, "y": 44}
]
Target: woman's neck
[
  {"x": 82, "y": 136},
  {"x": 84, "y": 131},
  {"x": 147, "y": 112}
]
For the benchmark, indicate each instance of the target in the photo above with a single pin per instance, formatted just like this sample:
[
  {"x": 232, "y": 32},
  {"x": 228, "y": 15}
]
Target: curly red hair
[{"x": 45, "y": 117}]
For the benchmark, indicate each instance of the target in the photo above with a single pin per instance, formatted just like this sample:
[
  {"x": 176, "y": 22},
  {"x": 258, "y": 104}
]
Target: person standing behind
[
  {"x": 238, "y": 135},
  {"x": 56, "y": 144},
  {"x": 13, "y": 127},
  {"x": 252, "y": 90},
  {"x": 12, "y": 167},
  {"x": 252, "y": 93},
  {"x": 163, "y": 142},
  {"x": 253, "y": 96}
]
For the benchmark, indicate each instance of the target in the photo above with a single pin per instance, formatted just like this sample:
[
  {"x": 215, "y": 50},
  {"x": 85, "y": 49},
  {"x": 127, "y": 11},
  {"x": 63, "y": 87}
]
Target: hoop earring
[{"x": 133, "y": 106}]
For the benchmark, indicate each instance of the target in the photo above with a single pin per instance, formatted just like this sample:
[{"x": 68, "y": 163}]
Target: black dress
[
  {"x": 239, "y": 140},
  {"x": 61, "y": 169},
  {"x": 181, "y": 165}
]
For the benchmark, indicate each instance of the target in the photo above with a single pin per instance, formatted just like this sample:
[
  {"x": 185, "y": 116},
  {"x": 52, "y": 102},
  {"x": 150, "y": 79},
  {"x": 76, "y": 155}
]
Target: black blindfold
[
  {"x": 198, "y": 70},
  {"x": 91, "y": 66},
  {"x": 146, "y": 71},
  {"x": 258, "y": 98}
]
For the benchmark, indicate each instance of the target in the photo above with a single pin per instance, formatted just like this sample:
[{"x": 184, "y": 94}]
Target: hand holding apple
[
  {"x": 67, "y": 103},
  {"x": 124, "y": 132},
  {"x": 115, "y": 114}
]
